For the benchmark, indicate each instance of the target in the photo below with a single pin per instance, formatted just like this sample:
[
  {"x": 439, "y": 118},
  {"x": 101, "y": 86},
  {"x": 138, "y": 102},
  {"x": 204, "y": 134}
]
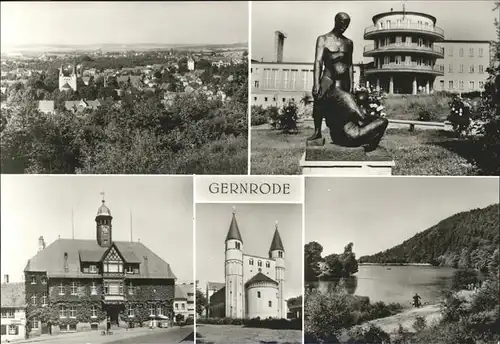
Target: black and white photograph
[
  {"x": 97, "y": 259},
  {"x": 342, "y": 88},
  {"x": 401, "y": 260},
  {"x": 124, "y": 87},
  {"x": 249, "y": 273}
]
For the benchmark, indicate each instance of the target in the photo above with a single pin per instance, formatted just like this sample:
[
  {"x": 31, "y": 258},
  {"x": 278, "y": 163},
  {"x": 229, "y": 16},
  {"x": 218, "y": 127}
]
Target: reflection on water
[{"x": 393, "y": 284}]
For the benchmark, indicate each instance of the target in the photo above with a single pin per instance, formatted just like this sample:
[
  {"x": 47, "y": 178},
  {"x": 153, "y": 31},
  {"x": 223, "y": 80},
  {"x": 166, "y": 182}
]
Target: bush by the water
[
  {"x": 276, "y": 324},
  {"x": 463, "y": 279},
  {"x": 370, "y": 334},
  {"x": 328, "y": 313}
]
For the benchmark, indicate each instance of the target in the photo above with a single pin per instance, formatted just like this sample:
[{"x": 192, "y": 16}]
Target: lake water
[{"x": 396, "y": 283}]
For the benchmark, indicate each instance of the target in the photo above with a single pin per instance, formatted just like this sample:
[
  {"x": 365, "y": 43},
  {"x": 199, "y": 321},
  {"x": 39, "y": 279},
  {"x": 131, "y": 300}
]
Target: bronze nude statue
[{"x": 350, "y": 125}]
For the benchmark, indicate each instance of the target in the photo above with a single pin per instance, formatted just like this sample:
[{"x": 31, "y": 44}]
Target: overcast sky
[
  {"x": 379, "y": 213},
  {"x": 33, "y": 206},
  {"x": 257, "y": 224},
  {"x": 304, "y": 21},
  {"x": 123, "y": 22}
]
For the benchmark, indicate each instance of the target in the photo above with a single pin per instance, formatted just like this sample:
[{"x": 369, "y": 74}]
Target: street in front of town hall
[{"x": 138, "y": 335}]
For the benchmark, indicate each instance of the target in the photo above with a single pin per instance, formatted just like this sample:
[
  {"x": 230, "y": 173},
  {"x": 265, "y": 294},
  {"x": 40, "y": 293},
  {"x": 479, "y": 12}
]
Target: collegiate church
[
  {"x": 68, "y": 82},
  {"x": 254, "y": 286}
]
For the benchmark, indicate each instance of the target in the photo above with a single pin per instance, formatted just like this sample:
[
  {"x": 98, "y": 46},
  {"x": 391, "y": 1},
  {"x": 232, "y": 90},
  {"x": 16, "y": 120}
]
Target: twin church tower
[{"x": 254, "y": 286}]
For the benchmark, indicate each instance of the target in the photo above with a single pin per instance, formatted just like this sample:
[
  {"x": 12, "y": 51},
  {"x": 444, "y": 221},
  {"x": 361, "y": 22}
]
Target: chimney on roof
[
  {"x": 5, "y": 278},
  {"x": 279, "y": 42},
  {"x": 41, "y": 243},
  {"x": 146, "y": 271}
]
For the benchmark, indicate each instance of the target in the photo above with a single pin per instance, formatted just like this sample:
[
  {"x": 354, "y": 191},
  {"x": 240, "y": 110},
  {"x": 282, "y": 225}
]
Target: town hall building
[
  {"x": 77, "y": 285},
  {"x": 254, "y": 286}
]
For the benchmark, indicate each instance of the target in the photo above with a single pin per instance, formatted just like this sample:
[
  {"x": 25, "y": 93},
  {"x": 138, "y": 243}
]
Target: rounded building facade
[
  {"x": 262, "y": 299},
  {"x": 403, "y": 51}
]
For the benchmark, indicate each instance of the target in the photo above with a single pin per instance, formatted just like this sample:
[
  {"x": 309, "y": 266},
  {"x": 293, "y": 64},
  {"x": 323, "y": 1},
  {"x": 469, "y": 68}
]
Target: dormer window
[
  {"x": 33, "y": 280},
  {"x": 44, "y": 280},
  {"x": 93, "y": 268},
  {"x": 130, "y": 269},
  {"x": 74, "y": 288}
]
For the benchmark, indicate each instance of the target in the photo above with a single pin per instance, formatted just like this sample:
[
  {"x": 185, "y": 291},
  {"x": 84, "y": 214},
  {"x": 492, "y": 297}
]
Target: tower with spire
[
  {"x": 103, "y": 225},
  {"x": 254, "y": 285},
  {"x": 67, "y": 83}
]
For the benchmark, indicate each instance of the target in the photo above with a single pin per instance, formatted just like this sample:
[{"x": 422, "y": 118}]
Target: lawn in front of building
[
  {"x": 229, "y": 334},
  {"x": 422, "y": 152}
]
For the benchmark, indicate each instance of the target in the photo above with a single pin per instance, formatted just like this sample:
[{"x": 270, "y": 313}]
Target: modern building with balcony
[
  {"x": 79, "y": 285},
  {"x": 404, "y": 52}
]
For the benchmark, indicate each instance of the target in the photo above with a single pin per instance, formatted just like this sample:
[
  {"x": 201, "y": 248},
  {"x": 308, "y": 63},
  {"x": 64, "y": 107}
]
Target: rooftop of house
[
  {"x": 46, "y": 105},
  {"x": 51, "y": 259},
  {"x": 179, "y": 293},
  {"x": 13, "y": 295},
  {"x": 215, "y": 285}
]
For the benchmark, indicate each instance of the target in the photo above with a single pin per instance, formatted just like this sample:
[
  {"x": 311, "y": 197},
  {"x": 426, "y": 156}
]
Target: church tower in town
[
  {"x": 67, "y": 83},
  {"x": 277, "y": 253},
  {"x": 234, "y": 271}
]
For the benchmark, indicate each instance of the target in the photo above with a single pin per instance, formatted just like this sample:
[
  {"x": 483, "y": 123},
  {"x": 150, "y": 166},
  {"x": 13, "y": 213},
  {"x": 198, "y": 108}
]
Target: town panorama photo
[{"x": 124, "y": 88}]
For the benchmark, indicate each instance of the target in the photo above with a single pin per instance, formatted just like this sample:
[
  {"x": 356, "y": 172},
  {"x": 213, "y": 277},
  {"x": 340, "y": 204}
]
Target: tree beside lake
[{"x": 332, "y": 266}]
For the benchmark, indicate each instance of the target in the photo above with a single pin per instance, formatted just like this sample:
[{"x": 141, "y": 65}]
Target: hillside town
[
  {"x": 148, "y": 112},
  {"x": 86, "y": 81}
]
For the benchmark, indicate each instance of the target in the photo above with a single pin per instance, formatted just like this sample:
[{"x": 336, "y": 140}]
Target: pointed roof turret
[
  {"x": 103, "y": 209},
  {"x": 276, "y": 244},
  {"x": 234, "y": 231}
]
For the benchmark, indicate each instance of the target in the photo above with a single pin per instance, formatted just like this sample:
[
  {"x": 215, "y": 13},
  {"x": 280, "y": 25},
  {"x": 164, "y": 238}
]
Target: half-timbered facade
[{"x": 77, "y": 285}]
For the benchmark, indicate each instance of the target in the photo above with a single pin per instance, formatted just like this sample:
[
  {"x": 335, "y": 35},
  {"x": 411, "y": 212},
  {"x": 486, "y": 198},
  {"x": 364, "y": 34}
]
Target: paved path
[
  {"x": 135, "y": 336},
  {"x": 176, "y": 335}
]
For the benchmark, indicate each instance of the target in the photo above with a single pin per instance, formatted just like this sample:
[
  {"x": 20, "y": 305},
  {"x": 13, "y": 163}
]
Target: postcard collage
[{"x": 268, "y": 172}]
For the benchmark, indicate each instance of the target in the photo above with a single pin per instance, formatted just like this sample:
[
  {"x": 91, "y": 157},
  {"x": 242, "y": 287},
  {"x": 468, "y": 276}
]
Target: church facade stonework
[{"x": 254, "y": 285}]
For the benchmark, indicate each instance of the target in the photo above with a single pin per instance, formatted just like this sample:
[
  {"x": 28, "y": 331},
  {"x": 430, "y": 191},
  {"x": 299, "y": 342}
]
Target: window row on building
[
  {"x": 461, "y": 51},
  {"x": 460, "y": 85},
  {"x": 285, "y": 79},
  {"x": 472, "y": 68},
  {"x": 403, "y": 40},
  {"x": 11, "y": 329},
  {"x": 183, "y": 305},
  {"x": 259, "y": 263},
  {"x": 8, "y": 313},
  {"x": 407, "y": 60},
  {"x": 404, "y": 23},
  {"x": 110, "y": 288},
  {"x": 272, "y": 99}
]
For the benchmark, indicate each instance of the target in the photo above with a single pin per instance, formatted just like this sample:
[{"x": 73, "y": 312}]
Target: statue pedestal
[{"x": 334, "y": 160}]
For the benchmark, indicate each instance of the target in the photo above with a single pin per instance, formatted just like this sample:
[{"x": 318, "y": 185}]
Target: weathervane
[{"x": 102, "y": 194}]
